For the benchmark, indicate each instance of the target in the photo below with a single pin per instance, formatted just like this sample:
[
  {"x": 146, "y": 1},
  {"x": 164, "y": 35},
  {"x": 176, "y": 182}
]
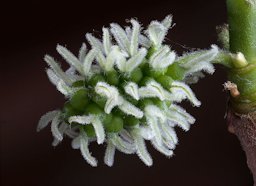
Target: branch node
[{"x": 232, "y": 87}]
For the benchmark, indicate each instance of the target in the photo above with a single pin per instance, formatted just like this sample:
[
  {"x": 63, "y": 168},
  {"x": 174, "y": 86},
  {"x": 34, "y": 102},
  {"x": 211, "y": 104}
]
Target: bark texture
[{"x": 244, "y": 127}]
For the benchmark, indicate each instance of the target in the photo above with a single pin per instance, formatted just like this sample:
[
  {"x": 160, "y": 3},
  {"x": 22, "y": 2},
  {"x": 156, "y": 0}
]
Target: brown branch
[{"x": 244, "y": 127}]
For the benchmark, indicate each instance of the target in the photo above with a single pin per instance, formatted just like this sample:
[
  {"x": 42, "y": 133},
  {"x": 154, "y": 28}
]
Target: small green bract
[{"x": 124, "y": 90}]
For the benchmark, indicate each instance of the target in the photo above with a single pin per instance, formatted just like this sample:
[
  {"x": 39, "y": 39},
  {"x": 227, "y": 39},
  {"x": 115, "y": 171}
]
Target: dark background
[{"x": 206, "y": 155}]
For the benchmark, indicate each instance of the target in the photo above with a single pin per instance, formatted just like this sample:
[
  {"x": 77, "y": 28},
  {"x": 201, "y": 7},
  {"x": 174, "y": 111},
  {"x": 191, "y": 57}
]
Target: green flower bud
[
  {"x": 89, "y": 130},
  {"x": 112, "y": 77},
  {"x": 79, "y": 100},
  {"x": 68, "y": 111},
  {"x": 93, "y": 108},
  {"x": 176, "y": 72},
  {"x": 165, "y": 81},
  {"x": 95, "y": 79},
  {"x": 99, "y": 100},
  {"x": 131, "y": 121},
  {"x": 115, "y": 125},
  {"x": 136, "y": 75},
  {"x": 78, "y": 83}
]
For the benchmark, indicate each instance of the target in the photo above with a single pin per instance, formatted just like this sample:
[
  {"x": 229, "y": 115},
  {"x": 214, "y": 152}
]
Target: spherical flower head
[{"x": 125, "y": 90}]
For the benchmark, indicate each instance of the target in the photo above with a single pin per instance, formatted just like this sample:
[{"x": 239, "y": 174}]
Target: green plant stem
[
  {"x": 224, "y": 59},
  {"x": 241, "y": 116},
  {"x": 242, "y": 27},
  {"x": 242, "y": 31},
  {"x": 245, "y": 79}
]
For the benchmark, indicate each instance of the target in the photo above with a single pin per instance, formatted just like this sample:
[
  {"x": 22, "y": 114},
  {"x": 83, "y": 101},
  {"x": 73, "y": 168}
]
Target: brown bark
[{"x": 244, "y": 127}]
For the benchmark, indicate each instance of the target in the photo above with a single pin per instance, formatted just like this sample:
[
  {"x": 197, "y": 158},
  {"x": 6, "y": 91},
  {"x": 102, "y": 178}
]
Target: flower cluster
[{"x": 125, "y": 90}]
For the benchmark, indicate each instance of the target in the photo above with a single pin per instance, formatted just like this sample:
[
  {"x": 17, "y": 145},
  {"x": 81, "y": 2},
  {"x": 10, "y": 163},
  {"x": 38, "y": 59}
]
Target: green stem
[
  {"x": 242, "y": 28},
  {"x": 223, "y": 58}
]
